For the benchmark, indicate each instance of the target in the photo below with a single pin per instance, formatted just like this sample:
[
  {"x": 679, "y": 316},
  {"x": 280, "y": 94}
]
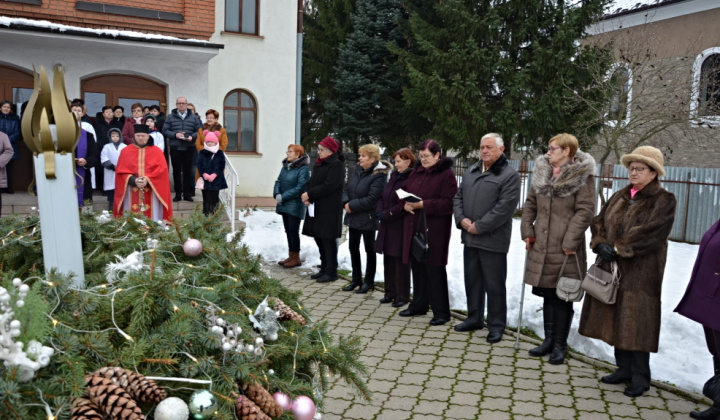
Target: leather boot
[
  {"x": 368, "y": 285},
  {"x": 286, "y": 259},
  {"x": 712, "y": 413},
  {"x": 293, "y": 261},
  {"x": 356, "y": 282},
  {"x": 563, "y": 319},
  {"x": 549, "y": 323}
]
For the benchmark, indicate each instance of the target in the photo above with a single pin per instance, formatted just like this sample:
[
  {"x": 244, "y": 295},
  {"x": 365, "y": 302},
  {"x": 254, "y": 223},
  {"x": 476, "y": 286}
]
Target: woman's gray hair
[{"x": 496, "y": 136}]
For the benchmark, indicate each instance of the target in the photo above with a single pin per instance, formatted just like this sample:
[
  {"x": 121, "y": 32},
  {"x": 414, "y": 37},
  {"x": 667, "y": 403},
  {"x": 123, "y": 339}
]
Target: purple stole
[{"x": 80, "y": 152}]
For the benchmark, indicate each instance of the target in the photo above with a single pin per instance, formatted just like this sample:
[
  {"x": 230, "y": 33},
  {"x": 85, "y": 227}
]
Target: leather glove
[
  {"x": 606, "y": 252},
  {"x": 379, "y": 216},
  {"x": 278, "y": 198}
]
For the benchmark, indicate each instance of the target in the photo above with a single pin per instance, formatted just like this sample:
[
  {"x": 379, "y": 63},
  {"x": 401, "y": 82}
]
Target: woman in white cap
[{"x": 632, "y": 229}]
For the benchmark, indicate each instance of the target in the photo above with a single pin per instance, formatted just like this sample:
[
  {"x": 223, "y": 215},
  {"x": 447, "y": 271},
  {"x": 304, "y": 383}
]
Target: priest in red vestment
[{"x": 142, "y": 183}]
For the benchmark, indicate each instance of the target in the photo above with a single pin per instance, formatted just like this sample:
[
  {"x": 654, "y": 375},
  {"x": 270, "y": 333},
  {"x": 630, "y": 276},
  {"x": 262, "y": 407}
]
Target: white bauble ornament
[
  {"x": 258, "y": 351},
  {"x": 172, "y": 408},
  {"x": 250, "y": 348},
  {"x": 20, "y": 303},
  {"x": 192, "y": 247},
  {"x": 216, "y": 329},
  {"x": 220, "y": 322},
  {"x": 24, "y": 288},
  {"x": 17, "y": 282},
  {"x": 227, "y": 347},
  {"x": 272, "y": 336},
  {"x": 258, "y": 342}
]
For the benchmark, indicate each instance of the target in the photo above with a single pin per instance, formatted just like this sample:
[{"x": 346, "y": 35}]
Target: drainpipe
[{"x": 298, "y": 70}]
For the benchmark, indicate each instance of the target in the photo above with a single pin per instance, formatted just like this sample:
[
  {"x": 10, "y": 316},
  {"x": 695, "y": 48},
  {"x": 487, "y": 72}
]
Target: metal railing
[{"x": 227, "y": 196}]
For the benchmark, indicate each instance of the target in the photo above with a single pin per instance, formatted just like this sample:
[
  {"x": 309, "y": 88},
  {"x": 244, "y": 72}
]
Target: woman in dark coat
[
  {"x": 556, "y": 214},
  {"x": 10, "y": 125},
  {"x": 324, "y": 200},
  {"x": 435, "y": 183},
  {"x": 288, "y": 187},
  {"x": 390, "y": 234},
  {"x": 632, "y": 229},
  {"x": 360, "y": 200},
  {"x": 701, "y": 303},
  {"x": 211, "y": 166}
]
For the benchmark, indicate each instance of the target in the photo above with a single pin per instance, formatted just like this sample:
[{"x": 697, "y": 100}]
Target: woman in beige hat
[{"x": 632, "y": 229}]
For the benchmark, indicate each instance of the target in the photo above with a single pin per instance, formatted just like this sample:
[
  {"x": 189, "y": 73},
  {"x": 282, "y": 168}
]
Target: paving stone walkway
[{"x": 417, "y": 371}]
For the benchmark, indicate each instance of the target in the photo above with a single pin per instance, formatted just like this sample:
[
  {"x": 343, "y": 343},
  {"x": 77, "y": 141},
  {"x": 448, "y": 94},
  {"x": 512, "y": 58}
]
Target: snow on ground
[{"x": 683, "y": 358}]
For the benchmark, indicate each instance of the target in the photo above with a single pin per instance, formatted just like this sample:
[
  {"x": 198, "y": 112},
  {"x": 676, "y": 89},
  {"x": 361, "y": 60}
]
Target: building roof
[{"x": 47, "y": 26}]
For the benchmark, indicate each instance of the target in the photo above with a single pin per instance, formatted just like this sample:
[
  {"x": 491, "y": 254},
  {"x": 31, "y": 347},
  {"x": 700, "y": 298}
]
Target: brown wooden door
[
  {"x": 122, "y": 89},
  {"x": 16, "y": 86}
]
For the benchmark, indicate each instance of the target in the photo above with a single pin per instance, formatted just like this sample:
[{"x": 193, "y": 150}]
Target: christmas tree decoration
[
  {"x": 303, "y": 408},
  {"x": 84, "y": 409},
  {"x": 283, "y": 400},
  {"x": 247, "y": 410},
  {"x": 112, "y": 399},
  {"x": 263, "y": 399},
  {"x": 172, "y": 408},
  {"x": 264, "y": 320},
  {"x": 192, "y": 247},
  {"x": 11, "y": 351},
  {"x": 202, "y": 404},
  {"x": 157, "y": 318},
  {"x": 140, "y": 388},
  {"x": 286, "y": 313}
]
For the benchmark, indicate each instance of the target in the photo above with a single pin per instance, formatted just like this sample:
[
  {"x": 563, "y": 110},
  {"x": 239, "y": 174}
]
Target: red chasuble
[{"x": 148, "y": 162}]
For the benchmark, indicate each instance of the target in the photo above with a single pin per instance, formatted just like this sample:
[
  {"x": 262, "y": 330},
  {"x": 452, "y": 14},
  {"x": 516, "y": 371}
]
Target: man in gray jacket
[
  {"x": 483, "y": 208},
  {"x": 181, "y": 127}
]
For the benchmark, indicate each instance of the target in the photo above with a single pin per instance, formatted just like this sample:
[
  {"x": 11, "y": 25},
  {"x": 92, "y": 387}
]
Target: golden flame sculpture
[{"x": 44, "y": 106}]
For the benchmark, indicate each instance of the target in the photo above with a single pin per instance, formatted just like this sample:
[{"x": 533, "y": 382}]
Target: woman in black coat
[
  {"x": 360, "y": 199},
  {"x": 10, "y": 125},
  {"x": 324, "y": 200},
  {"x": 389, "y": 240}
]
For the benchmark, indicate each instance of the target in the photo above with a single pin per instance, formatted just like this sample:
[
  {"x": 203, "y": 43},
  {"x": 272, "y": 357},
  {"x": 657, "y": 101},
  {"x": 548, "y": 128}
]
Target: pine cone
[
  {"x": 247, "y": 410},
  {"x": 142, "y": 389},
  {"x": 112, "y": 399},
  {"x": 287, "y": 313},
  {"x": 84, "y": 409},
  {"x": 263, "y": 399}
]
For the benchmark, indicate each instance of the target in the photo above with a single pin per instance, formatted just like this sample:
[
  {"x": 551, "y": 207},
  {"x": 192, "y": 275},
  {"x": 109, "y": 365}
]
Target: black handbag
[
  {"x": 419, "y": 247},
  {"x": 712, "y": 389}
]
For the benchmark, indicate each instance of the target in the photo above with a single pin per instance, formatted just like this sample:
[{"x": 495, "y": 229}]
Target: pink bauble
[
  {"x": 303, "y": 408},
  {"x": 283, "y": 400},
  {"x": 192, "y": 247}
]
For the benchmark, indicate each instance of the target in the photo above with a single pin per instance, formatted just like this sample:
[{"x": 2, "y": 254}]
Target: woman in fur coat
[
  {"x": 556, "y": 214},
  {"x": 632, "y": 229}
]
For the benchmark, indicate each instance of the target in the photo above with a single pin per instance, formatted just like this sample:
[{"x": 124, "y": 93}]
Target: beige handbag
[
  {"x": 601, "y": 284},
  {"x": 568, "y": 288}
]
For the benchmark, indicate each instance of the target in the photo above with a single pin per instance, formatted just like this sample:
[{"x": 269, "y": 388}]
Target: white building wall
[
  {"x": 178, "y": 67},
  {"x": 265, "y": 66}
]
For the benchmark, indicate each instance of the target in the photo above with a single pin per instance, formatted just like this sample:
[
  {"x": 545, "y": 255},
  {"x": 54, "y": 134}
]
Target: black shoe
[
  {"x": 557, "y": 357},
  {"x": 712, "y": 413},
  {"x": 385, "y": 300},
  {"x": 317, "y": 275},
  {"x": 350, "y": 287},
  {"x": 327, "y": 278},
  {"x": 615, "y": 378},
  {"x": 494, "y": 337},
  {"x": 543, "y": 349},
  {"x": 399, "y": 304},
  {"x": 177, "y": 198},
  {"x": 366, "y": 287},
  {"x": 438, "y": 321},
  {"x": 634, "y": 390},
  {"x": 465, "y": 327},
  {"x": 188, "y": 198},
  {"x": 410, "y": 312}
]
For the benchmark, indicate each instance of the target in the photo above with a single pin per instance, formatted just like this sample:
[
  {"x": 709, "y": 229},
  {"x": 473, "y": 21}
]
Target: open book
[{"x": 406, "y": 196}]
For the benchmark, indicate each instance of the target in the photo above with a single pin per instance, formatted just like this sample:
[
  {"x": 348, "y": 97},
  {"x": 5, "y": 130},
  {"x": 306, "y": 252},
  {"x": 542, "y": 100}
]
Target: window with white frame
[
  {"x": 705, "y": 102},
  {"x": 242, "y": 16}
]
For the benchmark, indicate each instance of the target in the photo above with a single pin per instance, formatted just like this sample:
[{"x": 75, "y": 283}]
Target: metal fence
[{"x": 697, "y": 191}]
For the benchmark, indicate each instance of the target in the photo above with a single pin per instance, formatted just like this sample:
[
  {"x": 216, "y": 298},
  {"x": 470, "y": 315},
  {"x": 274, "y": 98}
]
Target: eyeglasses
[
  {"x": 180, "y": 103},
  {"x": 421, "y": 156},
  {"x": 552, "y": 149},
  {"x": 636, "y": 169}
]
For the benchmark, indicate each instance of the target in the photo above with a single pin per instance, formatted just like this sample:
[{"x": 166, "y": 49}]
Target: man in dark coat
[
  {"x": 483, "y": 208},
  {"x": 324, "y": 194},
  {"x": 102, "y": 130},
  {"x": 181, "y": 127}
]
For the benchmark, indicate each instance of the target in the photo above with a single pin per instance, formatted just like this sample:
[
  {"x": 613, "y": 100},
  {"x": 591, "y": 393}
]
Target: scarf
[{"x": 212, "y": 149}]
